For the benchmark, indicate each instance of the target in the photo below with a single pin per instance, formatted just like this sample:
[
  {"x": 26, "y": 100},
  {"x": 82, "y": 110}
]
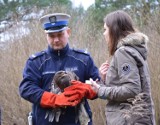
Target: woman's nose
[{"x": 104, "y": 33}]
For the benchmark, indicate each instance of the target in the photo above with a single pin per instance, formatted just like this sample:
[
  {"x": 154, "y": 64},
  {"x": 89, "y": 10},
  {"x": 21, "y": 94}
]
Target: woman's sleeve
[{"x": 129, "y": 83}]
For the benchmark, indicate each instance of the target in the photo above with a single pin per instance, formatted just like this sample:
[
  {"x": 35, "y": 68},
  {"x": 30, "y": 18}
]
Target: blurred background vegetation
[{"x": 87, "y": 33}]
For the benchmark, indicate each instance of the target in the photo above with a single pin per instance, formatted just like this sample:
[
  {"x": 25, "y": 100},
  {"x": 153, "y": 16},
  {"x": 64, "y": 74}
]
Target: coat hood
[{"x": 136, "y": 40}]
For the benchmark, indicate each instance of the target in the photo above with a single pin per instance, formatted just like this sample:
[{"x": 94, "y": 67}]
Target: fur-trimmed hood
[{"x": 136, "y": 40}]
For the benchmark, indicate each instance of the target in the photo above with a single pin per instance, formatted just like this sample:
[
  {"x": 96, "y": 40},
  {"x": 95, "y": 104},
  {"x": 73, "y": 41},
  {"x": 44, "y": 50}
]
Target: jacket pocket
[{"x": 115, "y": 118}]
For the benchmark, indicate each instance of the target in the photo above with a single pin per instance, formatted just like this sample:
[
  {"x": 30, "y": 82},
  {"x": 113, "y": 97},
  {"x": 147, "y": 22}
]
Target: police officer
[{"x": 41, "y": 67}]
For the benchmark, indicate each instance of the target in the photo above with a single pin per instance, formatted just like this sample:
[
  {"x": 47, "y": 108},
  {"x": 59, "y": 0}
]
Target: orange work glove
[
  {"x": 83, "y": 89},
  {"x": 49, "y": 99}
]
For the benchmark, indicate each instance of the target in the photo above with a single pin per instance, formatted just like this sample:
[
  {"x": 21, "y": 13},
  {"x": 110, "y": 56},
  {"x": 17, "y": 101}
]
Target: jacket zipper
[
  {"x": 59, "y": 60},
  {"x": 58, "y": 53}
]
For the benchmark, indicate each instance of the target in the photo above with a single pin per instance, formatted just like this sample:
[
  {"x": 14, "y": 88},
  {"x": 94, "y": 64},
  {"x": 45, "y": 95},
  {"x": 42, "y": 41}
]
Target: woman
[
  {"x": 128, "y": 75},
  {"x": 127, "y": 80}
]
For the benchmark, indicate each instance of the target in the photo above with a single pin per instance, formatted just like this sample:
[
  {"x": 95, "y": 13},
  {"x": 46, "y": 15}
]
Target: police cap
[{"x": 55, "y": 22}]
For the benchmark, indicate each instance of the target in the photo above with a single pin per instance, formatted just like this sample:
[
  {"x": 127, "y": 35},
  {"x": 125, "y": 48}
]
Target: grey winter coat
[{"x": 127, "y": 85}]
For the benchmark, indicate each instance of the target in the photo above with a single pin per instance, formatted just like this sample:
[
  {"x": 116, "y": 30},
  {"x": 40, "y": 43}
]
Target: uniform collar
[{"x": 61, "y": 52}]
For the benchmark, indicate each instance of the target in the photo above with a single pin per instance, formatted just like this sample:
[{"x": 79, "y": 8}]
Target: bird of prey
[{"x": 60, "y": 81}]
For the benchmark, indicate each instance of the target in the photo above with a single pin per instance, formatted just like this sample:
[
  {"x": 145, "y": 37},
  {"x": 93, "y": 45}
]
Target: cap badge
[{"x": 52, "y": 19}]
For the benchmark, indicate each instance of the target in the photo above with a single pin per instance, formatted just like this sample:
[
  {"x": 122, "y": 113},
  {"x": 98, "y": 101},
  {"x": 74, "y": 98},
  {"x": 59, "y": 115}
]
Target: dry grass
[
  {"x": 14, "y": 108},
  {"x": 13, "y": 57},
  {"x": 153, "y": 32},
  {"x": 137, "y": 108}
]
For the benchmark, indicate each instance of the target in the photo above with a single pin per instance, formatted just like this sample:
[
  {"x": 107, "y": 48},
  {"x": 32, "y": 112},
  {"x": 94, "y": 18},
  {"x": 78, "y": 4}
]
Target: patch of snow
[{"x": 16, "y": 32}]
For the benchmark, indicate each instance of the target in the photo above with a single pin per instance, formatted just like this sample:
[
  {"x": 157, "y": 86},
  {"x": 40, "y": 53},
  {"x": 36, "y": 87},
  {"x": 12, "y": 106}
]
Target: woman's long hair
[{"x": 120, "y": 25}]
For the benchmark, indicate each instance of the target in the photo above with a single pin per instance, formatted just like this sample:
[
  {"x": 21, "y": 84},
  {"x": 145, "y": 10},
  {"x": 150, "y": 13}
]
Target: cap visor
[{"x": 54, "y": 31}]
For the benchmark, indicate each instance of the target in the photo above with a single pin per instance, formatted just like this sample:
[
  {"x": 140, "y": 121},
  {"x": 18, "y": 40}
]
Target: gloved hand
[
  {"x": 83, "y": 89},
  {"x": 59, "y": 100}
]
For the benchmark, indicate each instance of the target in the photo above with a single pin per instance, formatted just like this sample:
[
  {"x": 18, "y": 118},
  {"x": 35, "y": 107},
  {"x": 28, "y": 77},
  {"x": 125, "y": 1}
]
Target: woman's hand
[
  {"x": 103, "y": 70},
  {"x": 94, "y": 85}
]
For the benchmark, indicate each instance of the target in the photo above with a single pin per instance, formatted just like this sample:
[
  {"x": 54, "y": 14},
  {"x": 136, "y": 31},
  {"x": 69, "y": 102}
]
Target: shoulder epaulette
[
  {"x": 81, "y": 51},
  {"x": 38, "y": 54}
]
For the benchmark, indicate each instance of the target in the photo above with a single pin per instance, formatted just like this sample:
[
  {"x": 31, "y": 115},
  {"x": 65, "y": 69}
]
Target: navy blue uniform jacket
[{"x": 38, "y": 74}]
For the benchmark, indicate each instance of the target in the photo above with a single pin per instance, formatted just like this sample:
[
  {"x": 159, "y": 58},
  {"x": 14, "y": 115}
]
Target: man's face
[{"x": 58, "y": 40}]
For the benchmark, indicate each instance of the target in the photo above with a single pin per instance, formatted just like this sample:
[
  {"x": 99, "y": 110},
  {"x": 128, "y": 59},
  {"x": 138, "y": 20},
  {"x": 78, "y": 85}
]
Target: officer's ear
[{"x": 68, "y": 31}]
